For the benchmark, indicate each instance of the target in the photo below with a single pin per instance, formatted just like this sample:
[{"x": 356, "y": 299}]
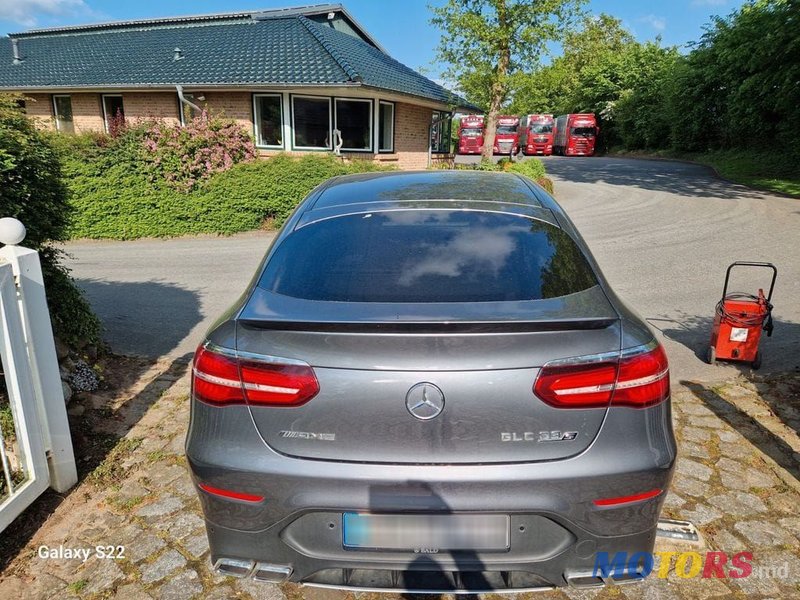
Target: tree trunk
[{"x": 498, "y": 91}]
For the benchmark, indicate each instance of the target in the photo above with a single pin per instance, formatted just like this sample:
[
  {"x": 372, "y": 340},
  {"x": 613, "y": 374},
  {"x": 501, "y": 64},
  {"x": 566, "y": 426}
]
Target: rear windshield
[{"x": 427, "y": 256}]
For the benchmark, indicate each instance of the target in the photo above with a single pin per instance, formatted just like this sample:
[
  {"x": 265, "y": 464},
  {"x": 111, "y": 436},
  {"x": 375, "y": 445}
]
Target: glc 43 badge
[{"x": 541, "y": 436}]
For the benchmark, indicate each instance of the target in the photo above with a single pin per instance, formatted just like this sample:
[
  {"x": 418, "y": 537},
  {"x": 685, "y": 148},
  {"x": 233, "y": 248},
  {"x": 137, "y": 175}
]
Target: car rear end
[{"x": 429, "y": 395}]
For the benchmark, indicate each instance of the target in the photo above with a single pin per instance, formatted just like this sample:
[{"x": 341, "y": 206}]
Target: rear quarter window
[{"x": 418, "y": 256}]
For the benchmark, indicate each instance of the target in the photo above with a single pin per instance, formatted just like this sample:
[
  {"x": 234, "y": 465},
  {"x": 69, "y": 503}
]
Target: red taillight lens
[
  {"x": 222, "y": 380},
  {"x": 638, "y": 379},
  {"x": 643, "y": 379},
  {"x": 576, "y": 385}
]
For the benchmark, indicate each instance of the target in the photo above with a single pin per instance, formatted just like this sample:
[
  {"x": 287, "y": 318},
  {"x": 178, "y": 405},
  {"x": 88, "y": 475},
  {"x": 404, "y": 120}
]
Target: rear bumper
[{"x": 556, "y": 529}]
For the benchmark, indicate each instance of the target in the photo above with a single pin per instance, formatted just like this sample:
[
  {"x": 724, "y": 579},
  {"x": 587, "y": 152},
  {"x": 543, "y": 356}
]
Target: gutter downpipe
[{"x": 183, "y": 100}]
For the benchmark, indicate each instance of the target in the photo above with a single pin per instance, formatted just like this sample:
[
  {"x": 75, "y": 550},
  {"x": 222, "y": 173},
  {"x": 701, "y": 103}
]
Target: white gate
[{"x": 35, "y": 444}]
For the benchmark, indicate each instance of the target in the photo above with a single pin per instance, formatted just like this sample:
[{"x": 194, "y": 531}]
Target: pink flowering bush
[{"x": 185, "y": 157}]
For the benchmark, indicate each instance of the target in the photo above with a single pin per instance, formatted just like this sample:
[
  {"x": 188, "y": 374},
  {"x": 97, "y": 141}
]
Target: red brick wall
[
  {"x": 151, "y": 105},
  {"x": 39, "y": 107}
]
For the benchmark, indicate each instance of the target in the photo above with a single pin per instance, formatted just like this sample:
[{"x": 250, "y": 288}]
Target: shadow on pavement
[
  {"x": 677, "y": 178},
  {"x": 758, "y": 435},
  {"x": 143, "y": 318}
]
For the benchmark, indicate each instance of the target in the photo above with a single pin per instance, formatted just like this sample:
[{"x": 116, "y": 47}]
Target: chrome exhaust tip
[
  {"x": 584, "y": 580},
  {"x": 271, "y": 573},
  {"x": 235, "y": 567}
]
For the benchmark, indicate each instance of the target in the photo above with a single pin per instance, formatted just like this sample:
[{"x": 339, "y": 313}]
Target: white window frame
[
  {"x": 257, "y": 120},
  {"x": 394, "y": 109},
  {"x": 330, "y": 122},
  {"x": 368, "y": 101},
  {"x": 55, "y": 110},
  {"x": 105, "y": 114}
]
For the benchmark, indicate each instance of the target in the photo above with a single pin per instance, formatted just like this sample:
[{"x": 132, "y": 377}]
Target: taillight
[
  {"x": 638, "y": 378},
  {"x": 222, "y": 378}
]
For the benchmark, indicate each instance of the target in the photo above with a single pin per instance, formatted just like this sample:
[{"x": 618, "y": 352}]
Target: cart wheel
[
  {"x": 757, "y": 362},
  {"x": 711, "y": 355}
]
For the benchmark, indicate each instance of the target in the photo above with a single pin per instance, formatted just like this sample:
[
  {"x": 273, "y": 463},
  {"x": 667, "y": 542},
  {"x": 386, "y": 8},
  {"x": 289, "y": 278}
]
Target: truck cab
[
  {"x": 536, "y": 135},
  {"x": 470, "y": 134},
  {"x": 506, "y": 140},
  {"x": 575, "y": 134}
]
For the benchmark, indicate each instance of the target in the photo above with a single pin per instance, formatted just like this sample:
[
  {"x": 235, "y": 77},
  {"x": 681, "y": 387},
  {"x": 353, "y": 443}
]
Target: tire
[
  {"x": 756, "y": 364},
  {"x": 711, "y": 355}
]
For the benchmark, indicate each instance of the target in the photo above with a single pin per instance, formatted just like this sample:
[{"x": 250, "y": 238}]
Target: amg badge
[{"x": 305, "y": 435}]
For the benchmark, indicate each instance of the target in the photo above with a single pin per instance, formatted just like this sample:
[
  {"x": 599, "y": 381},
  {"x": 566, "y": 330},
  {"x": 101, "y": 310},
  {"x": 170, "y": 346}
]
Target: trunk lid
[{"x": 368, "y": 358}]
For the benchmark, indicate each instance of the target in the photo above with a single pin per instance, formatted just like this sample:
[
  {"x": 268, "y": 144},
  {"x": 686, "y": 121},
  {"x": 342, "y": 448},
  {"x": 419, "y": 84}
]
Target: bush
[
  {"x": 533, "y": 168},
  {"x": 32, "y": 190},
  {"x": 184, "y": 157},
  {"x": 113, "y": 195}
]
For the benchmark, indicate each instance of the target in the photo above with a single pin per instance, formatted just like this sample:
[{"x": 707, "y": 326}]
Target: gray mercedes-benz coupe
[{"x": 429, "y": 386}]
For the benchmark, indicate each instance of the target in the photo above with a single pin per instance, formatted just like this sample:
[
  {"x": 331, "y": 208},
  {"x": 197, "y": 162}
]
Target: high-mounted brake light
[
  {"x": 222, "y": 378},
  {"x": 638, "y": 378}
]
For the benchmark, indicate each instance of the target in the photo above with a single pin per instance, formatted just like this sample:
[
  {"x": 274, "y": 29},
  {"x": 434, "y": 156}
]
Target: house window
[
  {"x": 268, "y": 120},
  {"x": 354, "y": 122},
  {"x": 440, "y": 132},
  {"x": 386, "y": 127},
  {"x": 311, "y": 123},
  {"x": 62, "y": 109},
  {"x": 113, "y": 113}
]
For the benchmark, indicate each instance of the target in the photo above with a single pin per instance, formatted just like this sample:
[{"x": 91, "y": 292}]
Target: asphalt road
[{"x": 663, "y": 233}]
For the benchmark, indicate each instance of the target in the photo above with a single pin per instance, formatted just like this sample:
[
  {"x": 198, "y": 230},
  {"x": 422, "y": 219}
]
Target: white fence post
[{"x": 38, "y": 332}]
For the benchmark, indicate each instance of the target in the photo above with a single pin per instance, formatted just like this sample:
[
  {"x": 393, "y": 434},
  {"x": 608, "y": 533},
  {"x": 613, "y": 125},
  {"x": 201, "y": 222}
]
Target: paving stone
[
  {"x": 164, "y": 506},
  {"x": 754, "y": 585},
  {"x": 698, "y": 588},
  {"x": 183, "y": 485},
  {"x": 695, "y": 434},
  {"x": 43, "y": 585},
  {"x": 162, "y": 566},
  {"x": 737, "y": 451},
  {"x": 101, "y": 575},
  {"x": 145, "y": 545},
  {"x": 739, "y": 504},
  {"x": 131, "y": 591},
  {"x": 181, "y": 525},
  {"x": 701, "y": 514},
  {"x": 220, "y": 593},
  {"x": 673, "y": 500},
  {"x": 747, "y": 478},
  {"x": 728, "y": 464},
  {"x": 692, "y": 487},
  {"x": 182, "y": 586},
  {"x": 176, "y": 446},
  {"x": 695, "y": 450},
  {"x": 711, "y": 422},
  {"x": 726, "y": 542},
  {"x": 131, "y": 490},
  {"x": 729, "y": 436},
  {"x": 694, "y": 469},
  {"x": 162, "y": 475},
  {"x": 196, "y": 544},
  {"x": 791, "y": 524},
  {"x": 785, "y": 502},
  {"x": 269, "y": 591},
  {"x": 784, "y": 565},
  {"x": 764, "y": 533},
  {"x": 696, "y": 409}
]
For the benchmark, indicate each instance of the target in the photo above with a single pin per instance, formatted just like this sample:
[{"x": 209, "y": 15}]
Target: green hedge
[
  {"x": 32, "y": 190},
  {"x": 114, "y": 195}
]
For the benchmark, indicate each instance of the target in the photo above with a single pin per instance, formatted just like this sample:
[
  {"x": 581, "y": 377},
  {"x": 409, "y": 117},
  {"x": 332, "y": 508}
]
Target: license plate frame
[{"x": 426, "y": 533}]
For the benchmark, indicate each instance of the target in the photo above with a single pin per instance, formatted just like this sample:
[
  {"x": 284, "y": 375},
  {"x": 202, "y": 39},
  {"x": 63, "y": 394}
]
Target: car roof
[{"x": 413, "y": 186}]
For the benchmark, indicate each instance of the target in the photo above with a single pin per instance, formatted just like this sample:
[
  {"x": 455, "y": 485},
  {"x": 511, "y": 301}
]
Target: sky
[{"x": 400, "y": 26}]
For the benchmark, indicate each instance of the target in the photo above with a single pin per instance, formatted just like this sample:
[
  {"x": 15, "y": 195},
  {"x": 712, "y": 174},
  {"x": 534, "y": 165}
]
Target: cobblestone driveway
[{"x": 737, "y": 480}]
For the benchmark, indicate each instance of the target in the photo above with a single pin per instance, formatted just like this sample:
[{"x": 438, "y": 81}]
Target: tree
[{"x": 486, "y": 43}]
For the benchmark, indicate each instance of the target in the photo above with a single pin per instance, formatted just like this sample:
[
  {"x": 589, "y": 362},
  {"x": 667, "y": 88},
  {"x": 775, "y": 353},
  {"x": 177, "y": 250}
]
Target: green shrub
[
  {"x": 533, "y": 168},
  {"x": 32, "y": 190},
  {"x": 113, "y": 195},
  {"x": 185, "y": 157}
]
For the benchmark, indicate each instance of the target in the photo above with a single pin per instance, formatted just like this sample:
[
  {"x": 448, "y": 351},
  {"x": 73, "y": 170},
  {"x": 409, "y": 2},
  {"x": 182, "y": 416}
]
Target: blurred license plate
[{"x": 425, "y": 532}]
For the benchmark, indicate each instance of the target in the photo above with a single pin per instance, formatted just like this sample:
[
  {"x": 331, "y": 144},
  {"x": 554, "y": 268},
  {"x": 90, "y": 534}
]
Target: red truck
[
  {"x": 574, "y": 135},
  {"x": 536, "y": 134},
  {"x": 470, "y": 134},
  {"x": 506, "y": 140}
]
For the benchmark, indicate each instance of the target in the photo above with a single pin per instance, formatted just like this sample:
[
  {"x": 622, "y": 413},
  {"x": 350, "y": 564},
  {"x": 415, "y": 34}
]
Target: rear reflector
[
  {"x": 229, "y": 494},
  {"x": 627, "y": 499},
  {"x": 638, "y": 378},
  {"x": 222, "y": 378}
]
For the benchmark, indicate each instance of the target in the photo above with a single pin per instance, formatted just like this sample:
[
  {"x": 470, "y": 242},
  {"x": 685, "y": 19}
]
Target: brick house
[{"x": 300, "y": 79}]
